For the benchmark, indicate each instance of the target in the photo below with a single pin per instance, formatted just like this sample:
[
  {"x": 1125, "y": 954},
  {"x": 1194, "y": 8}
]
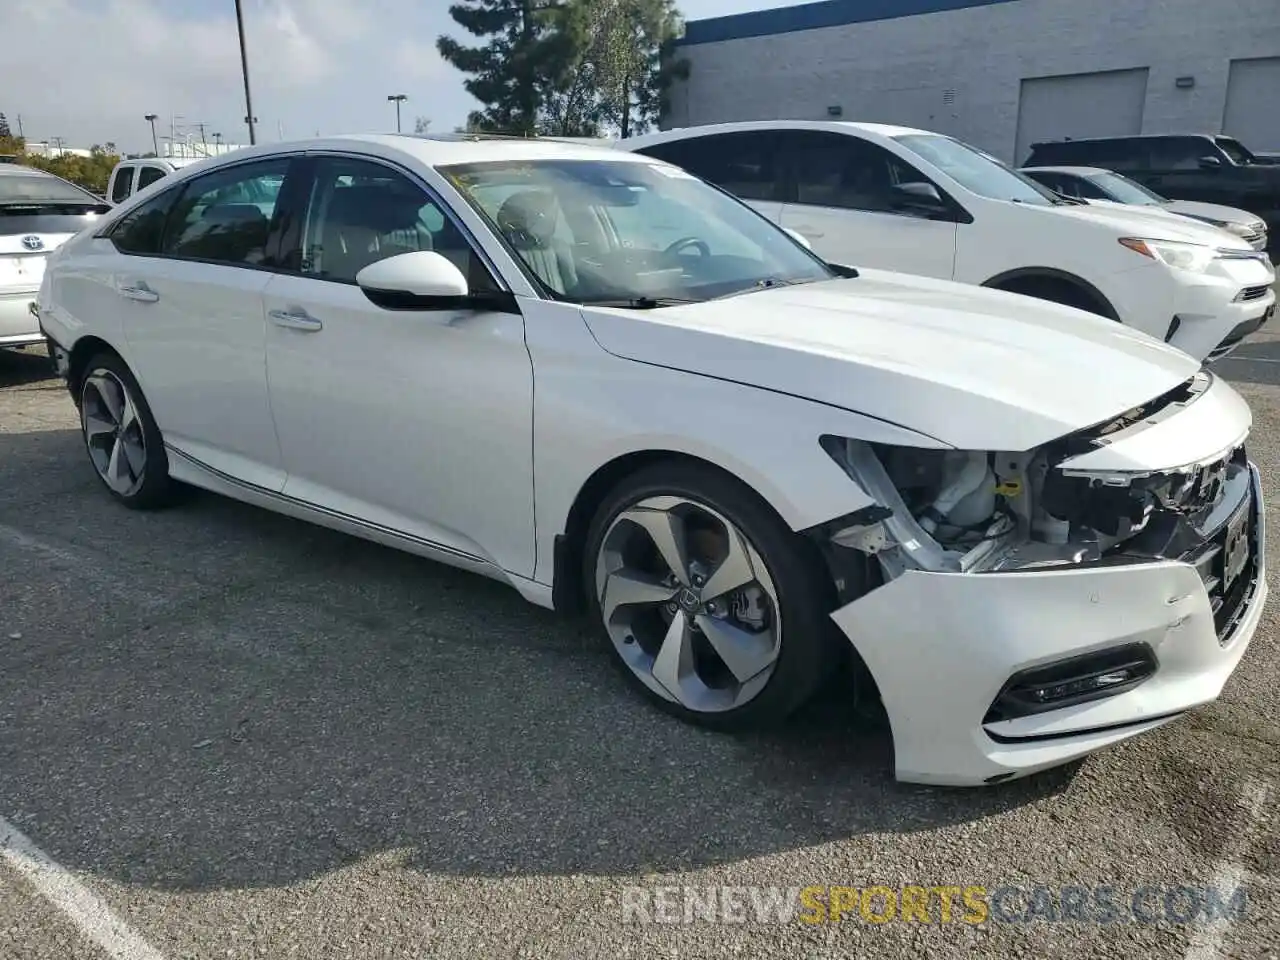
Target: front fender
[{"x": 583, "y": 421}]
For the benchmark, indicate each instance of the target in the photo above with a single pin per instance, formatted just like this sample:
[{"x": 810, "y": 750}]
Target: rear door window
[
  {"x": 149, "y": 175},
  {"x": 226, "y": 216}
]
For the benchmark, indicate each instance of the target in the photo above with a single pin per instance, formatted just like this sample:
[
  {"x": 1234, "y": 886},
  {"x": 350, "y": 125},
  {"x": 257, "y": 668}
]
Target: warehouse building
[{"x": 1000, "y": 74}]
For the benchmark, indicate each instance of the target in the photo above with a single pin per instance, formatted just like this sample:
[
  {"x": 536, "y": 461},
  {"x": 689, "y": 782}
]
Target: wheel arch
[
  {"x": 567, "y": 593},
  {"x": 1009, "y": 280},
  {"x": 84, "y": 350}
]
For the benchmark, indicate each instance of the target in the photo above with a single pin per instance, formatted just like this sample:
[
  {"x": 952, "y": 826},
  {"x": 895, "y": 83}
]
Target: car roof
[
  {"x": 834, "y": 126},
  {"x": 17, "y": 169},
  {"x": 1127, "y": 136},
  {"x": 444, "y": 149},
  {"x": 1074, "y": 171}
]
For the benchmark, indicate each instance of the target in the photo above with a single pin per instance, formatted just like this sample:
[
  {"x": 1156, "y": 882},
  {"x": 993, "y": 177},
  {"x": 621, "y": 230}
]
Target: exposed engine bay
[{"x": 972, "y": 511}]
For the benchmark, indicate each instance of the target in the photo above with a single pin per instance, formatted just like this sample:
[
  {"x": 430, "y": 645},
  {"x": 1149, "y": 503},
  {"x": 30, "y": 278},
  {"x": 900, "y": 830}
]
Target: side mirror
[
  {"x": 918, "y": 197},
  {"x": 1209, "y": 163},
  {"x": 799, "y": 238},
  {"x": 420, "y": 280}
]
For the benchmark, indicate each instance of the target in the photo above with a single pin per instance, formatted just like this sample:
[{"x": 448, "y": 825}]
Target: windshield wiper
[{"x": 639, "y": 303}]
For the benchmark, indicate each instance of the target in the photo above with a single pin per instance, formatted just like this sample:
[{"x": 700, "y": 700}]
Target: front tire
[
  {"x": 713, "y": 607},
  {"x": 121, "y": 437}
]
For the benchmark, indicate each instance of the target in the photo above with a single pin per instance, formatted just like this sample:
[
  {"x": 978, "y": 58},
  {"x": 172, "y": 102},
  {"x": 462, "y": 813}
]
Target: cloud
[{"x": 89, "y": 70}]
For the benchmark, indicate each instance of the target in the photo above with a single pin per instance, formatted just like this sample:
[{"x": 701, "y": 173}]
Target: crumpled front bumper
[{"x": 942, "y": 645}]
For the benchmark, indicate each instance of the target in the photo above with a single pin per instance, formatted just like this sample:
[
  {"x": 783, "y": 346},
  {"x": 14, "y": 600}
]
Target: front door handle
[
  {"x": 295, "y": 319},
  {"x": 808, "y": 231},
  {"x": 138, "y": 291}
]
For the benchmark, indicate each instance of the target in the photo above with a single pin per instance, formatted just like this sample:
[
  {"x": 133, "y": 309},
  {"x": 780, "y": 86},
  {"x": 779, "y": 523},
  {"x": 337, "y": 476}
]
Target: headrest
[
  {"x": 378, "y": 208},
  {"x": 531, "y": 214},
  {"x": 233, "y": 213}
]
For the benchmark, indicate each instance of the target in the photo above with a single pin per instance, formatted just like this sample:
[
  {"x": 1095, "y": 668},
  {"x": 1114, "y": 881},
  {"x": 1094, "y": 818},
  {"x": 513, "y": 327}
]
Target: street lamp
[
  {"x": 249, "y": 118},
  {"x": 155, "y": 144},
  {"x": 398, "y": 99}
]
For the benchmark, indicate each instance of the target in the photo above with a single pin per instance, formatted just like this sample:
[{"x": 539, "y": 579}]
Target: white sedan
[{"x": 589, "y": 375}]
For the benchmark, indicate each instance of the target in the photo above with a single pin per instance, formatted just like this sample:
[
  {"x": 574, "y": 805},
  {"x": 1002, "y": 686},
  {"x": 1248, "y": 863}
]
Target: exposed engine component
[{"x": 953, "y": 494}]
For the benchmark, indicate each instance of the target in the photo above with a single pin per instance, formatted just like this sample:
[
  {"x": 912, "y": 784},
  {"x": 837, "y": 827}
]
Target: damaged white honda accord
[{"x": 596, "y": 378}]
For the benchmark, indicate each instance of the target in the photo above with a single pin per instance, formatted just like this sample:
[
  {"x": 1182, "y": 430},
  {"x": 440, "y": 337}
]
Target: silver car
[
  {"x": 38, "y": 213},
  {"x": 1095, "y": 183}
]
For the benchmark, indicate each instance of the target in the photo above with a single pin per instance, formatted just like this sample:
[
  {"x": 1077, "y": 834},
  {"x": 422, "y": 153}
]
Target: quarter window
[
  {"x": 141, "y": 230},
  {"x": 361, "y": 212},
  {"x": 120, "y": 188},
  {"x": 225, "y": 216}
]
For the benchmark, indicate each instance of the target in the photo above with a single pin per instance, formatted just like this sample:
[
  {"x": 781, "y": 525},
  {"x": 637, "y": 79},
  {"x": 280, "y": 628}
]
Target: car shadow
[
  {"x": 217, "y": 697},
  {"x": 19, "y": 367}
]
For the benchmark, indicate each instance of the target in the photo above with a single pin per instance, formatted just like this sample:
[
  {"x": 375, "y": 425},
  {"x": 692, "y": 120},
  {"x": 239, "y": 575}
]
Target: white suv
[{"x": 894, "y": 198}]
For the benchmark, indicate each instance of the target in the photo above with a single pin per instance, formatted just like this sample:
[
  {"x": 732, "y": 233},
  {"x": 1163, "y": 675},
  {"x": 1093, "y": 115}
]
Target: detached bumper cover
[{"x": 941, "y": 646}]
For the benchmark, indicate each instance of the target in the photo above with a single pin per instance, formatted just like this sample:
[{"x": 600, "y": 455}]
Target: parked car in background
[
  {"x": 918, "y": 202},
  {"x": 1209, "y": 169},
  {"x": 38, "y": 213},
  {"x": 1094, "y": 184},
  {"x": 130, "y": 176},
  {"x": 593, "y": 377}
]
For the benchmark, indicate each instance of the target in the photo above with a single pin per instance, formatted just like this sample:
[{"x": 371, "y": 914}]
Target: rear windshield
[{"x": 41, "y": 190}]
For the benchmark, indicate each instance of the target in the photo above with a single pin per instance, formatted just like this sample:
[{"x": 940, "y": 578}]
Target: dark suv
[{"x": 1191, "y": 167}]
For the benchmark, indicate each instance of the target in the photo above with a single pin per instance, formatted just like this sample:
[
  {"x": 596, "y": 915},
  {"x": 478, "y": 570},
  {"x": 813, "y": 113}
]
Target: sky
[{"x": 88, "y": 71}]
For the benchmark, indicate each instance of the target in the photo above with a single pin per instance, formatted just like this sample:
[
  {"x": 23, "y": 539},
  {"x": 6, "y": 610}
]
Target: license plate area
[
  {"x": 1235, "y": 548},
  {"x": 1232, "y": 572}
]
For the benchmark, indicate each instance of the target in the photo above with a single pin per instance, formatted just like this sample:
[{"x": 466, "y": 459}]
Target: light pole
[
  {"x": 155, "y": 144},
  {"x": 398, "y": 98},
  {"x": 249, "y": 118}
]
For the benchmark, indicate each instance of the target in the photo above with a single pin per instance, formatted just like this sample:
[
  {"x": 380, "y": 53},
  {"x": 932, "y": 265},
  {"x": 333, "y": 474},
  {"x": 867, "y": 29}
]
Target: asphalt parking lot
[{"x": 248, "y": 737}]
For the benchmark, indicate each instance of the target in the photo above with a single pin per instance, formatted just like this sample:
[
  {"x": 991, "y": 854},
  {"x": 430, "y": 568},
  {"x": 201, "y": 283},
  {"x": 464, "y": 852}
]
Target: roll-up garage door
[
  {"x": 1107, "y": 104},
  {"x": 1253, "y": 103}
]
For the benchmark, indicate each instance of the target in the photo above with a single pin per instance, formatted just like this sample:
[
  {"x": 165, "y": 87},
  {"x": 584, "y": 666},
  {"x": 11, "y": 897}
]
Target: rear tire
[
  {"x": 121, "y": 436},
  {"x": 731, "y": 659}
]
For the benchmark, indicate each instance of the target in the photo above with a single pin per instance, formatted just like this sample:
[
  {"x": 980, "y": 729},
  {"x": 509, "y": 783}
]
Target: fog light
[{"x": 1073, "y": 681}]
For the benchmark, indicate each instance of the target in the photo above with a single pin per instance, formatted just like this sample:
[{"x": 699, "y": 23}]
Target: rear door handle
[
  {"x": 295, "y": 319},
  {"x": 138, "y": 291}
]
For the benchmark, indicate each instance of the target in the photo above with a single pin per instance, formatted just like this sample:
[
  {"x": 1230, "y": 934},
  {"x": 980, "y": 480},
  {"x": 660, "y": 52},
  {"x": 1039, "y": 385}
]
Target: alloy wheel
[
  {"x": 113, "y": 432},
  {"x": 689, "y": 604}
]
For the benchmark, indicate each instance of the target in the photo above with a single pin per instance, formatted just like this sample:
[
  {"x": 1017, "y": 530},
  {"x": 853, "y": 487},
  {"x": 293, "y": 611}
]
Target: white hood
[
  {"x": 977, "y": 369},
  {"x": 1153, "y": 223}
]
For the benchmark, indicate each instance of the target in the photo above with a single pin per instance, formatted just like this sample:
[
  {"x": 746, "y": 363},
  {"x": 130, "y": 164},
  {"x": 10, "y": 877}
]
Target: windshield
[
  {"x": 1125, "y": 190},
  {"x": 42, "y": 190},
  {"x": 974, "y": 170},
  {"x": 1235, "y": 150},
  {"x": 602, "y": 231}
]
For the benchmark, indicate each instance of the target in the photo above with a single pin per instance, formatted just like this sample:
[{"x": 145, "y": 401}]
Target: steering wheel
[{"x": 679, "y": 245}]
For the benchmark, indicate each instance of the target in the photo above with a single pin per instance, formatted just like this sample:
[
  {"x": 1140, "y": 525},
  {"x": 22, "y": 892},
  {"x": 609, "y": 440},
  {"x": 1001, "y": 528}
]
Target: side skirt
[{"x": 188, "y": 469}]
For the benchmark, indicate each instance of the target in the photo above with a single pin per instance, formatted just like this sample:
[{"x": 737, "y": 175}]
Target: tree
[
  {"x": 524, "y": 57},
  {"x": 636, "y": 61},
  {"x": 5, "y": 132},
  {"x": 421, "y": 125}
]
